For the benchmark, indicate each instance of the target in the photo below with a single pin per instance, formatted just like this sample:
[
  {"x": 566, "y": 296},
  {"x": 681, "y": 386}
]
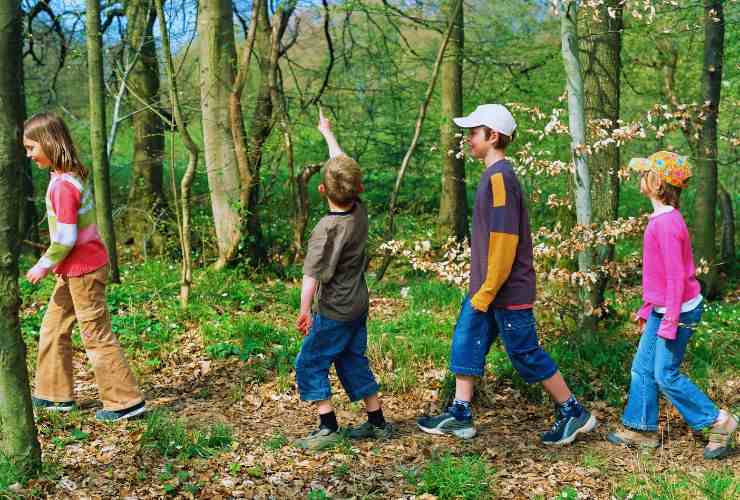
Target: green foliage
[
  {"x": 9, "y": 473},
  {"x": 433, "y": 294},
  {"x": 465, "y": 478},
  {"x": 270, "y": 347},
  {"x": 597, "y": 366},
  {"x": 276, "y": 441},
  {"x": 318, "y": 495},
  {"x": 175, "y": 438},
  {"x": 722, "y": 484}
]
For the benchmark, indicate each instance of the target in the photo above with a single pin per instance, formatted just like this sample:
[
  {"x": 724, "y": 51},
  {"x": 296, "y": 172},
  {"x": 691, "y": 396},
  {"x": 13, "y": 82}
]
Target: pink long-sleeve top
[
  {"x": 668, "y": 271},
  {"x": 76, "y": 247}
]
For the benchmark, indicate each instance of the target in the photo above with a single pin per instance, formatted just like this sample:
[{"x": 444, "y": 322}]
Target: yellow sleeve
[{"x": 501, "y": 254}]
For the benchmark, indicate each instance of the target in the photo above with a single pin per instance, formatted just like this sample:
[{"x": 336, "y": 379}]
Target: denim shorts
[
  {"x": 475, "y": 332},
  {"x": 342, "y": 343}
]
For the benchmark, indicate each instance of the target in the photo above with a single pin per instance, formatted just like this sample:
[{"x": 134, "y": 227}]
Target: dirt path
[{"x": 111, "y": 464}]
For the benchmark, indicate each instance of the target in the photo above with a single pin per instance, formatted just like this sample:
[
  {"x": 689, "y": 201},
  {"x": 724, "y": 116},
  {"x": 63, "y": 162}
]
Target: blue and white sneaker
[
  {"x": 125, "y": 414},
  {"x": 46, "y": 405},
  {"x": 446, "y": 423},
  {"x": 568, "y": 426}
]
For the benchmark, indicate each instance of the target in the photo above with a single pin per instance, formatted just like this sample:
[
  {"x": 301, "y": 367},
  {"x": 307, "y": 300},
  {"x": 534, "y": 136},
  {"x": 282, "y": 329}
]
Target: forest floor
[{"x": 224, "y": 410}]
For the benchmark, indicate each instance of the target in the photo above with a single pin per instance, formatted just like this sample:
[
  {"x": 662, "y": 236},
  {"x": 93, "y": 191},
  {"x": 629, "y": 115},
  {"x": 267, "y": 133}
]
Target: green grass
[
  {"x": 171, "y": 437},
  {"x": 433, "y": 294},
  {"x": 275, "y": 442},
  {"x": 10, "y": 474},
  {"x": 712, "y": 485},
  {"x": 466, "y": 478}
]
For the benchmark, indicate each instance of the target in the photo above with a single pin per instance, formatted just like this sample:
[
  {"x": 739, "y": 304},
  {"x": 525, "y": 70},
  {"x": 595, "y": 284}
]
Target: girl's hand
[
  {"x": 37, "y": 273},
  {"x": 324, "y": 125},
  {"x": 640, "y": 324},
  {"x": 304, "y": 323}
]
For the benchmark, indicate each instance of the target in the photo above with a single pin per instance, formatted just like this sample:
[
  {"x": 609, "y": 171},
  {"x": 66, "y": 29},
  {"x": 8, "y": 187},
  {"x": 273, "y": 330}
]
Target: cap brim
[
  {"x": 639, "y": 164},
  {"x": 466, "y": 122}
]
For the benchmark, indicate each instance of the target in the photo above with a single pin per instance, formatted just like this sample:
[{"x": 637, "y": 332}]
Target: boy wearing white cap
[{"x": 502, "y": 290}]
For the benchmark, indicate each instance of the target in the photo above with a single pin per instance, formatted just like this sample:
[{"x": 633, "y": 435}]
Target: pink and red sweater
[
  {"x": 668, "y": 271},
  {"x": 76, "y": 247}
]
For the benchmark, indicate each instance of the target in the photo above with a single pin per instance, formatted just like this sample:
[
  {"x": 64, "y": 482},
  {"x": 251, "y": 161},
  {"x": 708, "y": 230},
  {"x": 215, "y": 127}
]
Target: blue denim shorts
[
  {"x": 342, "y": 343},
  {"x": 475, "y": 332}
]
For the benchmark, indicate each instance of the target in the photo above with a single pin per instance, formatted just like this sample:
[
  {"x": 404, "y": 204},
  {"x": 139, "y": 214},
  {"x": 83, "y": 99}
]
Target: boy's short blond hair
[{"x": 342, "y": 179}]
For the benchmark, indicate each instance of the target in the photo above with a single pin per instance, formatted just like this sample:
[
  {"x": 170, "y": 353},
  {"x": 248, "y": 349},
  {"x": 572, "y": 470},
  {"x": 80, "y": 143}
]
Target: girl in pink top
[
  {"x": 672, "y": 308},
  {"x": 79, "y": 260}
]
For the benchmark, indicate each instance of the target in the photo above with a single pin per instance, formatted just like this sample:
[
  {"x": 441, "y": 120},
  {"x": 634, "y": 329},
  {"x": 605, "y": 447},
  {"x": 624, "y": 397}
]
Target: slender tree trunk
[
  {"x": 302, "y": 212},
  {"x": 146, "y": 201},
  {"x": 705, "y": 177},
  {"x": 260, "y": 127},
  {"x": 28, "y": 228},
  {"x": 602, "y": 43},
  {"x": 577, "y": 126},
  {"x": 98, "y": 132},
  {"x": 729, "y": 258},
  {"x": 217, "y": 58},
  {"x": 453, "y": 204},
  {"x": 183, "y": 209},
  {"x": 390, "y": 227},
  {"x": 17, "y": 430}
]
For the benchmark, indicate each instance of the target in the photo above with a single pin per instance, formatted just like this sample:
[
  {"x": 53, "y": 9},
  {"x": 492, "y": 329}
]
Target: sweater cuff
[
  {"x": 668, "y": 329},
  {"x": 644, "y": 311}
]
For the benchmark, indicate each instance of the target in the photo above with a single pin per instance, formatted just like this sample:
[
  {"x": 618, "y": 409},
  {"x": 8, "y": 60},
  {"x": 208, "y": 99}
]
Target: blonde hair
[
  {"x": 342, "y": 179},
  {"x": 50, "y": 131},
  {"x": 654, "y": 186}
]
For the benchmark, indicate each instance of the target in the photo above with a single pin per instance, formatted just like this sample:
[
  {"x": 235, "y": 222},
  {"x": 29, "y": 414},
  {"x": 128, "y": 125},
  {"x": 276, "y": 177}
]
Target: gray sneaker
[
  {"x": 115, "y": 415},
  {"x": 46, "y": 405},
  {"x": 369, "y": 431},
  {"x": 318, "y": 440},
  {"x": 446, "y": 423}
]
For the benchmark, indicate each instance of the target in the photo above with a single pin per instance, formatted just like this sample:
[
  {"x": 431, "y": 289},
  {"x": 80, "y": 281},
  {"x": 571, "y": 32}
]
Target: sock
[
  {"x": 721, "y": 417},
  {"x": 329, "y": 420},
  {"x": 376, "y": 418},
  {"x": 571, "y": 406},
  {"x": 461, "y": 410}
]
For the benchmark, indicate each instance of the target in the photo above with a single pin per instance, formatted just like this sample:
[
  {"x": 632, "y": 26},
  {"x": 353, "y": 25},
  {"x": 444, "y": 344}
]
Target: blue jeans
[
  {"x": 656, "y": 368},
  {"x": 475, "y": 332},
  {"x": 342, "y": 343}
]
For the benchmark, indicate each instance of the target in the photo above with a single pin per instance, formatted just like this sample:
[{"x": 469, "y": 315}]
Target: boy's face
[
  {"x": 35, "y": 152},
  {"x": 479, "y": 145}
]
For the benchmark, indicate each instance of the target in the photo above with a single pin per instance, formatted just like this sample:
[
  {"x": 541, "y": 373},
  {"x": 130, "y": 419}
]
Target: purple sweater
[{"x": 668, "y": 272}]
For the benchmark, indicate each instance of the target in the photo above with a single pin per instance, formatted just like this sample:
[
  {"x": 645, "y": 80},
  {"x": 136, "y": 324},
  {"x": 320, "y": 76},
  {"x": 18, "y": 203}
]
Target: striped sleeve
[
  {"x": 65, "y": 200},
  {"x": 503, "y": 221}
]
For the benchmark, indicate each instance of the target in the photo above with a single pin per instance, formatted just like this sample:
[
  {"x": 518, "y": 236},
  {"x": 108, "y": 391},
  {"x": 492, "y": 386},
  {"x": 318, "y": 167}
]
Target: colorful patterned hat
[{"x": 670, "y": 167}]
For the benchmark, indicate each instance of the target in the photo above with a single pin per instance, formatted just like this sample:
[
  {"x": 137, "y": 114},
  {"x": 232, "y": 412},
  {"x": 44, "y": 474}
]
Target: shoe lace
[{"x": 560, "y": 420}]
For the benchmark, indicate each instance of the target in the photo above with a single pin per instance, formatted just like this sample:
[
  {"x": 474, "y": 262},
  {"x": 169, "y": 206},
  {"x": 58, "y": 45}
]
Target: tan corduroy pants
[{"x": 82, "y": 300}]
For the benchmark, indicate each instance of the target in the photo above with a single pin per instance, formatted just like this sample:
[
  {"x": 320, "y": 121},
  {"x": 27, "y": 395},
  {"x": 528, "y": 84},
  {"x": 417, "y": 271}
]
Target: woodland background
[{"x": 200, "y": 131}]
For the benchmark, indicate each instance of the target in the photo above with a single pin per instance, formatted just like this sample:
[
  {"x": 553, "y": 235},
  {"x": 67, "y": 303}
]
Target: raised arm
[{"x": 331, "y": 141}]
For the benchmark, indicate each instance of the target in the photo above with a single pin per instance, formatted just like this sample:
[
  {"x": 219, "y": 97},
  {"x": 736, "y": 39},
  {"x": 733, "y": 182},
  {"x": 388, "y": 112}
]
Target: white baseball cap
[{"x": 493, "y": 116}]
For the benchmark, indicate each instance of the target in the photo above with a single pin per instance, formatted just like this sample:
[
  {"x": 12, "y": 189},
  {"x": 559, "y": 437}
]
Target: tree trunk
[
  {"x": 729, "y": 258},
  {"x": 577, "y": 126},
  {"x": 602, "y": 44},
  {"x": 217, "y": 57},
  {"x": 98, "y": 132},
  {"x": 302, "y": 212},
  {"x": 146, "y": 201},
  {"x": 390, "y": 230},
  {"x": 705, "y": 177},
  {"x": 18, "y": 433},
  {"x": 453, "y": 204},
  {"x": 260, "y": 126},
  {"x": 183, "y": 212}
]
